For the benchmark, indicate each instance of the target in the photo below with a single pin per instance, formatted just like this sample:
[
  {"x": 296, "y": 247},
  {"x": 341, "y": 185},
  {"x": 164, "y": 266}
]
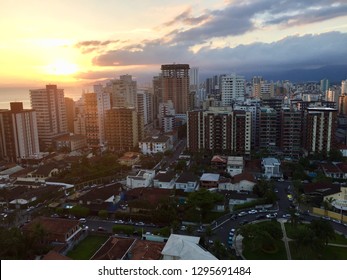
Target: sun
[{"x": 61, "y": 67}]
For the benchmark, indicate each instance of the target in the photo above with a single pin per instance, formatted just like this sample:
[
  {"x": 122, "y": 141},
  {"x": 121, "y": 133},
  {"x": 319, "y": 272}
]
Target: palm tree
[{"x": 327, "y": 204}]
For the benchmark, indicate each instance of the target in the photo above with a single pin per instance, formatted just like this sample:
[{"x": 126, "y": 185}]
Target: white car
[
  {"x": 252, "y": 211},
  {"x": 241, "y": 214}
]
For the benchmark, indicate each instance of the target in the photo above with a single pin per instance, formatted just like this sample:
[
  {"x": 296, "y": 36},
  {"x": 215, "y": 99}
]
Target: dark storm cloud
[
  {"x": 238, "y": 17},
  {"x": 295, "y": 51}
]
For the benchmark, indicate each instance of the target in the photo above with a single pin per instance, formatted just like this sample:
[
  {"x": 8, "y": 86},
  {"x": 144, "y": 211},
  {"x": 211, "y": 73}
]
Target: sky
[{"x": 84, "y": 41}]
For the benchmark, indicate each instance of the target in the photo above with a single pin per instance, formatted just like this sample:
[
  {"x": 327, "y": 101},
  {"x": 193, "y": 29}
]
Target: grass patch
[
  {"x": 87, "y": 247},
  {"x": 339, "y": 239},
  {"x": 328, "y": 253},
  {"x": 279, "y": 254},
  {"x": 290, "y": 229}
]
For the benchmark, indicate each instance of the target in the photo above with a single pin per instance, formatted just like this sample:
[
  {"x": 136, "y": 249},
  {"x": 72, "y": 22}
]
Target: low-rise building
[
  {"x": 164, "y": 180},
  {"x": 271, "y": 168},
  {"x": 70, "y": 142},
  {"x": 235, "y": 165},
  {"x": 187, "y": 181},
  {"x": 144, "y": 178},
  {"x": 155, "y": 144},
  {"x": 209, "y": 180}
]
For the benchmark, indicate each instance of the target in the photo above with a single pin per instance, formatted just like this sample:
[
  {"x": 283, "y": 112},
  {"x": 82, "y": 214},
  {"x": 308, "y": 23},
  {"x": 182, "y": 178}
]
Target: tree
[
  {"x": 79, "y": 211},
  {"x": 103, "y": 214},
  {"x": 323, "y": 230}
]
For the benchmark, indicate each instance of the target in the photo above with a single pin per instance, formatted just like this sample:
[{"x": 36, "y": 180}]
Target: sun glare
[{"x": 61, "y": 67}]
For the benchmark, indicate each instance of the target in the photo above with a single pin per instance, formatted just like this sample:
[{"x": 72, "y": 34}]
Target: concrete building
[
  {"x": 18, "y": 133},
  {"x": 95, "y": 105},
  {"x": 144, "y": 105},
  {"x": 166, "y": 116},
  {"x": 269, "y": 133},
  {"x": 175, "y": 85},
  {"x": 232, "y": 89},
  {"x": 155, "y": 144},
  {"x": 70, "y": 142},
  {"x": 219, "y": 129},
  {"x": 122, "y": 91},
  {"x": 123, "y": 129},
  {"x": 49, "y": 104},
  {"x": 271, "y": 168},
  {"x": 319, "y": 129},
  {"x": 235, "y": 165},
  {"x": 291, "y": 132},
  {"x": 70, "y": 113},
  {"x": 143, "y": 179}
]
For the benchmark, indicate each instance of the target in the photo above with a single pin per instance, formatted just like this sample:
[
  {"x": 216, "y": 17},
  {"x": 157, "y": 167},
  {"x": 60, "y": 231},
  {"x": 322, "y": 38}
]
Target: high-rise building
[
  {"x": 319, "y": 129},
  {"x": 122, "y": 91},
  {"x": 269, "y": 133},
  {"x": 342, "y": 105},
  {"x": 70, "y": 113},
  {"x": 166, "y": 116},
  {"x": 144, "y": 105},
  {"x": 344, "y": 87},
  {"x": 49, "y": 104},
  {"x": 175, "y": 78},
  {"x": 232, "y": 89},
  {"x": 95, "y": 105},
  {"x": 18, "y": 133},
  {"x": 324, "y": 86},
  {"x": 194, "y": 79},
  {"x": 220, "y": 130},
  {"x": 123, "y": 131},
  {"x": 291, "y": 132}
]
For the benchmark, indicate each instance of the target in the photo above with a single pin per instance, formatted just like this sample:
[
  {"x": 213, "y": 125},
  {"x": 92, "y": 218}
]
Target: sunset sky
[{"x": 80, "y": 41}]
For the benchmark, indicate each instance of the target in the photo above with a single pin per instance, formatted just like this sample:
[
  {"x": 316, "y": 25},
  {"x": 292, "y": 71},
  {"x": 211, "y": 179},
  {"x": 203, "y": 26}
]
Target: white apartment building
[{"x": 232, "y": 89}]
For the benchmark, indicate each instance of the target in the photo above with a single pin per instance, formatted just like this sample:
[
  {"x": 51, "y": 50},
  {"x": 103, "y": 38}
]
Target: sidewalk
[{"x": 285, "y": 238}]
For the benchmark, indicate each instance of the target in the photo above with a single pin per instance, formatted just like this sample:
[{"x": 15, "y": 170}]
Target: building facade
[{"x": 49, "y": 104}]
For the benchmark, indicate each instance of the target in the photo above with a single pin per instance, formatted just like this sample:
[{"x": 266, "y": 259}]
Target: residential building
[
  {"x": 235, "y": 165},
  {"x": 70, "y": 142},
  {"x": 166, "y": 116},
  {"x": 70, "y": 114},
  {"x": 144, "y": 105},
  {"x": 164, "y": 180},
  {"x": 269, "y": 133},
  {"x": 95, "y": 106},
  {"x": 143, "y": 179},
  {"x": 291, "y": 132},
  {"x": 271, "y": 168},
  {"x": 123, "y": 129},
  {"x": 319, "y": 129},
  {"x": 232, "y": 89},
  {"x": 122, "y": 91},
  {"x": 175, "y": 85},
  {"x": 187, "y": 181},
  {"x": 220, "y": 130},
  {"x": 49, "y": 104},
  {"x": 184, "y": 247},
  {"x": 209, "y": 180},
  {"x": 18, "y": 133},
  {"x": 155, "y": 144}
]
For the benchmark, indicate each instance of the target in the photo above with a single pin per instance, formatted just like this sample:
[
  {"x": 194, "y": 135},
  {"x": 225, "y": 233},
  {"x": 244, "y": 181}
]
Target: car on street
[
  {"x": 252, "y": 211},
  {"x": 271, "y": 216},
  {"x": 101, "y": 229},
  {"x": 286, "y": 216},
  {"x": 241, "y": 214}
]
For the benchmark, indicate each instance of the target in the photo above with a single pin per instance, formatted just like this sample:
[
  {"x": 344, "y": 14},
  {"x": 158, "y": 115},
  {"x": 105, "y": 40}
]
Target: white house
[
  {"x": 187, "y": 181},
  {"x": 155, "y": 144},
  {"x": 143, "y": 179},
  {"x": 164, "y": 180},
  {"x": 235, "y": 165},
  {"x": 184, "y": 247},
  {"x": 241, "y": 182},
  {"x": 271, "y": 167}
]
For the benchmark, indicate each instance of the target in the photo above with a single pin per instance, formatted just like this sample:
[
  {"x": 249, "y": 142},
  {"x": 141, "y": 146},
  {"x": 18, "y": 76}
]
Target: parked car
[
  {"x": 241, "y": 214},
  {"x": 252, "y": 211}
]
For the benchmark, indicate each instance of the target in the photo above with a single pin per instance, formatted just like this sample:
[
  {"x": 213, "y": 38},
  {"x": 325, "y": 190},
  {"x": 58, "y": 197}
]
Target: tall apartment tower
[
  {"x": 95, "y": 105},
  {"x": 123, "y": 131},
  {"x": 342, "y": 105},
  {"x": 157, "y": 84},
  {"x": 344, "y": 87},
  {"x": 291, "y": 132},
  {"x": 268, "y": 129},
  {"x": 232, "y": 89},
  {"x": 70, "y": 113},
  {"x": 18, "y": 133},
  {"x": 122, "y": 91},
  {"x": 144, "y": 105},
  {"x": 319, "y": 129},
  {"x": 220, "y": 130},
  {"x": 49, "y": 104},
  {"x": 175, "y": 81}
]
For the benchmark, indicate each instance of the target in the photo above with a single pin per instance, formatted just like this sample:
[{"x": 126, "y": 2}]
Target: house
[
  {"x": 331, "y": 170},
  {"x": 121, "y": 248},
  {"x": 155, "y": 144},
  {"x": 56, "y": 230},
  {"x": 343, "y": 168},
  {"x": 271, "y": 168},
  {"x": 144, "y": 178},
  {"x": 209, "y": 180},
  {"x": 45, "y": 171},
  {"x": 129, "y": 158},
  {"x": 241, "y": 182},
  {"x": 183, "y": 247},
  {"x": 70, "y": 142},
  {"x": 219, "y": 162},
  {"x": 235, "y": 165},
  {"x": 187, "y": 181},
  {"x": 164, "y": 180}
]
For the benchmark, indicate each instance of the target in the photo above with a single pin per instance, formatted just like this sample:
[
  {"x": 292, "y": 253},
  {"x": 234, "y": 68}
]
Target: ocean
[{"x": 9, "y": 94}]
